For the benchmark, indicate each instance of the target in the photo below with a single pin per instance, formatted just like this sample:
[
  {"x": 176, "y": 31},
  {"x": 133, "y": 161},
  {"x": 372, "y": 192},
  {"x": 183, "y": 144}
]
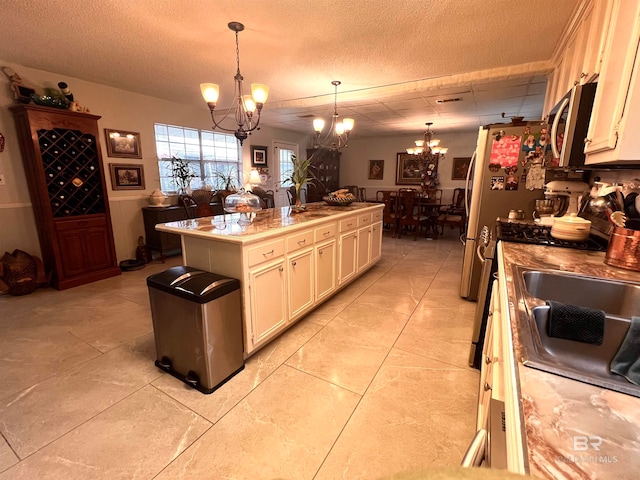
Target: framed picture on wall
[
  {"x": 258, "y": 156},
  {"x": 122, "y": 144},
  {"x": 126, "y": 177},
  {"x": 410, "y": 170},
  {"x": 376, "y": 169},
  {"x": 460, "y": 167}
]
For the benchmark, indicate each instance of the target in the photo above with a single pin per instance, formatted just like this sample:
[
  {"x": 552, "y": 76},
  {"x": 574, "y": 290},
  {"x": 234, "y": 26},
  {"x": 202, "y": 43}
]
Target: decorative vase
[
  {"x": 298, "y": 206},
  {"x": 157, "y": 198}
]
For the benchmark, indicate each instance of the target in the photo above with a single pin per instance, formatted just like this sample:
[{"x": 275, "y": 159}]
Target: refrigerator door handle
[
  {"x": 554, "y": 129},
  {"x": 466, "y": 185},
  {"x": 480, "y": 253}
]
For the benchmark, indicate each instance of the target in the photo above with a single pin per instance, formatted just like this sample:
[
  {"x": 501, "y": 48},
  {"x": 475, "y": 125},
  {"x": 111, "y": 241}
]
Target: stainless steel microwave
[{"x": 568, "y": 124}]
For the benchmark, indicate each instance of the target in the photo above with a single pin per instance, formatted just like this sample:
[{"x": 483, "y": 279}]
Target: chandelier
[
  {"x": 428, "y": 150},
  {"x": 338, "y": 134},
  {"x": 245, "y": 106}
]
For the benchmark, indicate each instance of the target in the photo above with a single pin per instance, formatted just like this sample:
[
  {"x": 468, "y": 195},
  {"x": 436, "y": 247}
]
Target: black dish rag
[
  {"x": 572, "y": 322},
  {"x": 627, "y": 360}
]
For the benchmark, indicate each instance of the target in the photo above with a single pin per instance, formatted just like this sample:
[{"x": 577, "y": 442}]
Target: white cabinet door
[
  {"x": 325, "y": 269},
  {"x": 364, "y": 248},
  {"x": 376, "y": 242},
  {"x": 348, "y": 248},
  {"x": 268, "y": 301},
  {"x": 616, "y": 110},
  {"x": 300, "y": 269}
]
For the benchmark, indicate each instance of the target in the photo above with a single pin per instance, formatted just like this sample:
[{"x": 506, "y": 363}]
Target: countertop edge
[
  {"x": 554, "y": 410},
  {"x": 201, "y": 227}
]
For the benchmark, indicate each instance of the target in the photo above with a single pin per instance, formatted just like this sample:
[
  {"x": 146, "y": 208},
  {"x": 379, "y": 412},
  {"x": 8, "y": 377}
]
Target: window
[{"x": 211, "y": 155}]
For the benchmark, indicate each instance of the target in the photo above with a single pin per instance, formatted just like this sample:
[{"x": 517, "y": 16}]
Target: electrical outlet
[{"x": 2, "y": 180}]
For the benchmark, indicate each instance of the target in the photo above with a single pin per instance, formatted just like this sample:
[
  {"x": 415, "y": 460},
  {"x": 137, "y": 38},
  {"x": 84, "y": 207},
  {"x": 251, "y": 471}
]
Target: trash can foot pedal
[
  {"x": 191, "y": 378},
  {"x": 164, "y": 362}
]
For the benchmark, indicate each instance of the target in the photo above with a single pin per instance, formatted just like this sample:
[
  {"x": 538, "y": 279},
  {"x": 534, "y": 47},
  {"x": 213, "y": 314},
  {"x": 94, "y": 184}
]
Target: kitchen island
[
  {"x": 287, "y": 263},
  {"x": 561, "y": 428}
]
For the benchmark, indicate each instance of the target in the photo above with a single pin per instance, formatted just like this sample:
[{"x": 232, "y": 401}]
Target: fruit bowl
[{"x": 339, "y": 201}]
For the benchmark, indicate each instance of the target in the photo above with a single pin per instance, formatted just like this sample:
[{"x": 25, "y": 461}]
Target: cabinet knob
[
  {"x": 321, "y": 252},
  {"x": 301, "y": 242},
  {"x": 281, "y": 269},
  {"x": 487, "y": 360},
  {"x": 268, "y": 253},
  {"x": 487, "y": 387},
  {"x": 587, "y": 140},
  {"x": 293, "y": 263}
]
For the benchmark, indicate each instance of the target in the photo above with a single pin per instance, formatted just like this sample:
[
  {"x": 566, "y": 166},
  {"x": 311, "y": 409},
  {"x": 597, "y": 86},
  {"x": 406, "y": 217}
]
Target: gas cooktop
[{"x": 522, "y": 231}]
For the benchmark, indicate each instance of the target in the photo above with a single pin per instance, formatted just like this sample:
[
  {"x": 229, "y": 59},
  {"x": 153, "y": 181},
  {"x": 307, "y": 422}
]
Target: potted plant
[
  {"x": 226, "y": 181},
  {"x": 182, "y": 174},
  {"x": 299, "y": 176}
]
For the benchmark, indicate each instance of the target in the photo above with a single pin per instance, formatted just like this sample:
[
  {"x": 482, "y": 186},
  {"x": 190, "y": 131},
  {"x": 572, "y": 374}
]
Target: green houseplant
[
  {"x": 299, "y": 176},
  {"x": 182, "y": 174}
]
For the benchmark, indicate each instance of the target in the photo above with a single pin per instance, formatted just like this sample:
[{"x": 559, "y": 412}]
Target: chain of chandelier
[
  {"x": 247, "y": 108},
  {"x": 428, "y": 149}
]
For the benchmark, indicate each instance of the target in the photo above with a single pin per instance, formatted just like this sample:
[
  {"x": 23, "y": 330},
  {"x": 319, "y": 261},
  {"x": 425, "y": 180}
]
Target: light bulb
[
  {"x": 339, "y": 128},
  {"x": 260, "y": 92},
  {"x": 210, "y": 92},
  {"x": 318, "y": 125},
  {"x": 419, "y": 143},
  {"x": 348, "y": 124},
  {"x": 249, "y": 104}
]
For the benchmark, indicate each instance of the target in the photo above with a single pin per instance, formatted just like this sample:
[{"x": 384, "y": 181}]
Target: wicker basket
[{"x": 20, "y": 272}]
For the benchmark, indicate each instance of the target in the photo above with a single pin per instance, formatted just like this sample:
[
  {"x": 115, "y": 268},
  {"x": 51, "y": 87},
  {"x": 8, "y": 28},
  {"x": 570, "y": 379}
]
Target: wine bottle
[{"x": 64, "y": 88}]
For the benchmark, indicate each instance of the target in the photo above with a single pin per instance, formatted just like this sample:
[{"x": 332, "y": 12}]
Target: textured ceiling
[{"x": 394, "y": 58}]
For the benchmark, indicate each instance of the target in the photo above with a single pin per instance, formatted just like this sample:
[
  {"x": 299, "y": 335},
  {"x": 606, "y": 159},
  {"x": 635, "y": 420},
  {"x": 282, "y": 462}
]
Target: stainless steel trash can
[{"x": 197, "y": 325}]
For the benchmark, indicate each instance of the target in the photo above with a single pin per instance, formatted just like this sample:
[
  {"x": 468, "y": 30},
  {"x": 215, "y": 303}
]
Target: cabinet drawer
[
  {"x": 299, "y": 240},
  {"x": 348, "y": 224},
  {"x": 265, "y": 251},
  {"x": 377, "y": 216},
  {"x": 79, "y": 223},
  {"x": 325, "y": 232},
  {"x": 364, "y": 220}
]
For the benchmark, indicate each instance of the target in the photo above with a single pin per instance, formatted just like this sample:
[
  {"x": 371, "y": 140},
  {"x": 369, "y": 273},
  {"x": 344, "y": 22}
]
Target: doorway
[{"x": 283, "y": 166}]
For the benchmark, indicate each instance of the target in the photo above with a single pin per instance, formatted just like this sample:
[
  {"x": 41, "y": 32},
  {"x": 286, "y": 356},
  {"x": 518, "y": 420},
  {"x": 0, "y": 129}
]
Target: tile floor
[{"x": 373, "y": 382}]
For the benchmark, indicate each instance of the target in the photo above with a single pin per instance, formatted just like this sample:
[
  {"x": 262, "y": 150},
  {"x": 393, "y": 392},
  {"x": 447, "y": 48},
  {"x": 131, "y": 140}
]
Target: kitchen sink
[{"x": 576, "y": 360}]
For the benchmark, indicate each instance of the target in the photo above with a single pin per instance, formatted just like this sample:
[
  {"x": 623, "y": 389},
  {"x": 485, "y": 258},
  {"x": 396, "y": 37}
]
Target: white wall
[
  {"x": 354, "y": 162},
  {"x": 119, "y": 109}
]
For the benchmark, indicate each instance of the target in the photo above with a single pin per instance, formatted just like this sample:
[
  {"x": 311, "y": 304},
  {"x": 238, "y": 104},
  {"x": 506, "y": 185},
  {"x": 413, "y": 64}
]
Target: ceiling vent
[
  {"x": 306, "y": 116},
  {"x": 448, "y": 100}
]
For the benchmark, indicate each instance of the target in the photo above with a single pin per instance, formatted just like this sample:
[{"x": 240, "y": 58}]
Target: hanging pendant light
[
  {"x": 247, "y": 107},
  {"x": 337, "y": 135},
  {"x": 428, "y": 149}
]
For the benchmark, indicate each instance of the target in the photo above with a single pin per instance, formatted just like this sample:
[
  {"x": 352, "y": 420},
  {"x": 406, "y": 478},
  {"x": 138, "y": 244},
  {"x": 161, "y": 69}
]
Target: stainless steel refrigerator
[{"x": 506, "y": 173}]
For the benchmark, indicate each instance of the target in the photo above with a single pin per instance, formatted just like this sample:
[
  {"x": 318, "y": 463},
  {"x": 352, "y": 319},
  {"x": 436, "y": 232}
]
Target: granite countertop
[
  {"x": 558, "y": 411},
  {"x": 265, "y": 223}
]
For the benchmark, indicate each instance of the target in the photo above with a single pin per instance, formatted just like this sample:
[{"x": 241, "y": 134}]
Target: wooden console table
[{"x": 163, "y": 242}]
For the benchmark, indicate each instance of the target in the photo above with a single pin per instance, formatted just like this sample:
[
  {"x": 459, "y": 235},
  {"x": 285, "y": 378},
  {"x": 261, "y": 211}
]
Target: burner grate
[{"x": 536, "y": 234}]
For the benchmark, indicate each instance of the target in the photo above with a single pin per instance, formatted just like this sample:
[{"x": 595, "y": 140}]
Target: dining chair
[
  {"x": 410, "y": 213},
  {"x": 390, "y": 211},
  {"x": 455, "y": 215},
  {"x": 198, "y": 203},
  {"x": 266, "y": 197},
  {"x": 291, "y": 195},
  {"x": 362, "y": 194}
]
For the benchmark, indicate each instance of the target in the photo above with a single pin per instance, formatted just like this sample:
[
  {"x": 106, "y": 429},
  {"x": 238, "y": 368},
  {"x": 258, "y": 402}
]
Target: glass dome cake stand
[{"x": 243, "y": 203}]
